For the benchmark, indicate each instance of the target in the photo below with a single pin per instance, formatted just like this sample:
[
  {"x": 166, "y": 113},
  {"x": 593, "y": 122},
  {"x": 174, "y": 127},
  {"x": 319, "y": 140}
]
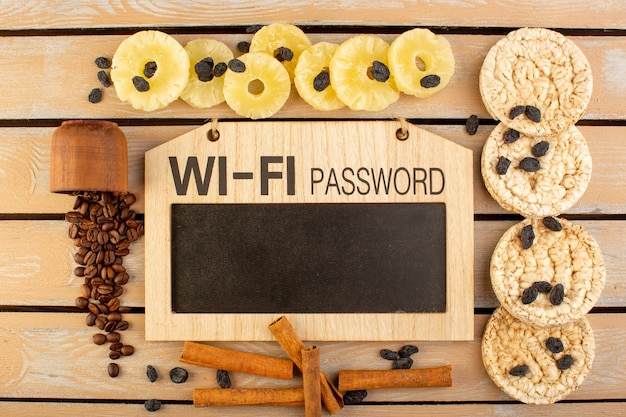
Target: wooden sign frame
[{"x": 326, "y": 146}]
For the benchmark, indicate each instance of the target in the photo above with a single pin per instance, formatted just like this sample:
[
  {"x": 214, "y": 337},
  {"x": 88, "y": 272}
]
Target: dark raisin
[
  {"x": 103, "y": 62},
  {"x": 529, "y": 295},
  {"x": 552, "y": 224},
  {"x": 354, "y": 397},
  {"x": 430, "y": 81},
  {"x": 223, "y": 379},
  {"x": 407, "y": 350},
  {"x": 104, "y": 79},
  {"x": 530, "y": 164},
  {"x": 533, "y": 113},
  {"x": 149, "y": 69},
  {"x": 402, "y": 363},
  {"x": 541, "y": 148},
  {"x": 151, "y": 373},
  {"x": 283, "y": 54},
  {"x": 95, "y": 95},
  {"x": 471, "y": 124},
  {"x": 141, "y": 84},
  {"x": 380, "y": 72},
  {"x": 503, "y": 165},
  {"x": 543, "y": 287},
  {"x": 510, "y": 136},
  {"x": 390, "y": 355},
  {"x": 152, "y": 405},
  {"x": 220, "y": 69},
  {"x": 204, "y": 69},
  {"x": 253, "y": 28},
  {"x": 236, "y": 65},
  {"x": 516, "y": 111},
  {"x": 178, "y": 375},
  {"x": 554, "y": 345},
  {"x": 565, "y": 362},
  {"x": 519, "y": 370},
  {"x": 557, "y": 295},
  {"x": 243, "y": 46},
  {"x": 321, "y": 81},
  {"x": 528, "y": 236}
]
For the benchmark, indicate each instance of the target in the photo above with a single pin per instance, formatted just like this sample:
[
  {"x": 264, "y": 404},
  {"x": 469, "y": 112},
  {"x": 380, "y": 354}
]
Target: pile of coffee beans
[{"x": 102, "y": 227}]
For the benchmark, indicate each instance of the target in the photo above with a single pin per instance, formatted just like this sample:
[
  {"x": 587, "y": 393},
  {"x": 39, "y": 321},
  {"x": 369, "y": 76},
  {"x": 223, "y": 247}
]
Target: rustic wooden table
[{"x": 48, "y": 364}]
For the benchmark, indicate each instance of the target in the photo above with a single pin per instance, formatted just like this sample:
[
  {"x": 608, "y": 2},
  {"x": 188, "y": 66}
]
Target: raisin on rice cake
[
  {"x": 547, "y": 272},
  {"x": 536, "y": 365},
  {"x": 536, "y": 177},
  {"x": 536, "y": 81}
]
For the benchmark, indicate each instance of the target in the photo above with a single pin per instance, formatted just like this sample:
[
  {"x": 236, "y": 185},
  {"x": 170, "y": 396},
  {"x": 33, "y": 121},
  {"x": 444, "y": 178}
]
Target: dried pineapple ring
[
  {"x": 283, "y": 41},
  {"x": 312, "y": 78},
  {"x": 149, "y": 70},
  {"x": 359, "y": 73},
  {"x": 421, "y": 62},
  {"x": 259, "y": 87},
  {"x": 208, "y": 91}
]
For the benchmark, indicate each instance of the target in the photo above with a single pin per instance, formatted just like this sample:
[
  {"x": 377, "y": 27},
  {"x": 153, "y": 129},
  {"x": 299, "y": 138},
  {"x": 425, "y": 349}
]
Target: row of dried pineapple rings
[{"x": 150, "y": 70}]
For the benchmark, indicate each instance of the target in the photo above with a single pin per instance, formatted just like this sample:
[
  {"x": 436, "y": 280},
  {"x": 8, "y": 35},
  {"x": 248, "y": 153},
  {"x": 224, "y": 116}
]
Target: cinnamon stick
[
  {"x": 236, "y": 361},
  {"x": 352, "y": 380},
  {"x": 311, "y": 382},
  {"x": 286, "y": 397},
  {"x": 287, "y": 337}
]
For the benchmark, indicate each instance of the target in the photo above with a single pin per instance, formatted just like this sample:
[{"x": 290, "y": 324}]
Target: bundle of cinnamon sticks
[{"x": 317, "y": 389}]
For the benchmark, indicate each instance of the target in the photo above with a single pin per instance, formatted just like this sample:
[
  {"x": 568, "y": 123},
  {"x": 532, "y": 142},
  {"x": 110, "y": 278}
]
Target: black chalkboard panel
[{"x": 308, "y": 258}]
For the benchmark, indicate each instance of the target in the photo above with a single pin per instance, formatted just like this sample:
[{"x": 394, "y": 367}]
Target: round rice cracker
[
  {"x": 567, "y": 261},
  {"x": 540, "y": 68},
  {"x": 562, "y": 178},
  {"x": 508, "y": 343}
]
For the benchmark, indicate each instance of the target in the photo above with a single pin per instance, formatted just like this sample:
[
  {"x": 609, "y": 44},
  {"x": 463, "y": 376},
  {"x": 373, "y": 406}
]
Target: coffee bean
[
  {"x": 151, "y": 373},
  {"x": 111, "y": 326},
  {"x": 178, "y": 375},
  {"x": 152, "y": 405},
  {"x": 113, "y": 337},
  {"x": 101, "y": 322},
  {"x": 114, "y": 304},
  {"x": 93, "y": 308},
  {"x": 114, "y": 316},
  {"x": 90, "y": 319},
  {"x": 73, "y": 231},
  {"x": 115, "y": 354},
  {"x": 127, "y": 350},
  {"x": 113, "y": 369},
  {"x": 116, "y": 346},
  {"x": 99, "y": 339},
  {"x": 82, "y": 302},
  {"x": 122, "y": 325}
]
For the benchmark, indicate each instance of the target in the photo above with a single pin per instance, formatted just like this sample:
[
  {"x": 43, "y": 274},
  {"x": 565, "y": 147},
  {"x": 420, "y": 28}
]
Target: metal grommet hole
[
  {"x": 213, "y": 135},
  {"x": 402, "y": 134}
]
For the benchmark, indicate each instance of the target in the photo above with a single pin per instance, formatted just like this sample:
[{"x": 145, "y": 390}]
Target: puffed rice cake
[
  {"x": 539, "y": 68},
  {"x": 557, "y": 279},
  {"x": 563, "y": 170},
  {"x": 536, "y": 365}
]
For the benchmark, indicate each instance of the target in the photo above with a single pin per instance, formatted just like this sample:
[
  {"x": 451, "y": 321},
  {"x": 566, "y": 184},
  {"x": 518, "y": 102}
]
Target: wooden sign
[{"x": 352, "y": 233}]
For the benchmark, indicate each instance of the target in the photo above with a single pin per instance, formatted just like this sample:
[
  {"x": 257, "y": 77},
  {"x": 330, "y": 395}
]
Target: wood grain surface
[{"x": 48, "y": 362}]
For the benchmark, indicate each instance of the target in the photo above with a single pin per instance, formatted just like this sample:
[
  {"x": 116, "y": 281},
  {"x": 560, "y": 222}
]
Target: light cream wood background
[{"x": 47, "y": 362}]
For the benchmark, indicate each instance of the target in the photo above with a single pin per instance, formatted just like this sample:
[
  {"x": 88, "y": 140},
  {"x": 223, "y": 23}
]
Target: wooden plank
[
  {"x": 179, "y": 13},
  {"x": 51, "y": 78},
  {"x": 44, "y": 350},
  {"x": 25, "y": 162},
  {"x": 38, "y": 252},
  {"x": 579, "y": 409}
]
